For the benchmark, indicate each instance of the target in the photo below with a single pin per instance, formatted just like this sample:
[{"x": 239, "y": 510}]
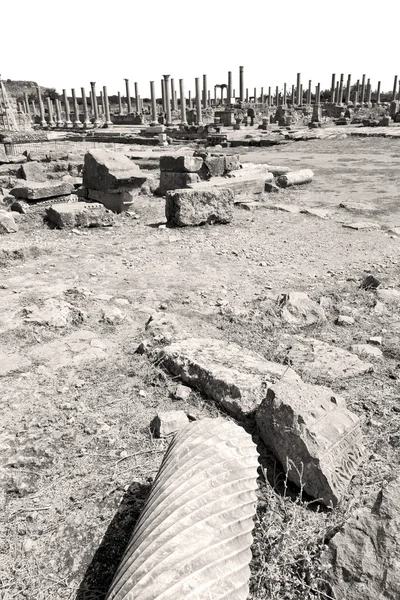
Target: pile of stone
[{"x": 111, "y": 179}]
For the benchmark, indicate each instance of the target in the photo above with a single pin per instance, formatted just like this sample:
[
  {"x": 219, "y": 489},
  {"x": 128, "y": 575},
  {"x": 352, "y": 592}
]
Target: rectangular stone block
[
  {"x": 32, "y": 171},
  {"x": 106, "y": 171},
  {"x": 213, "y": 166},
  {"x": 79, "y": 214},
  {"x": 34, "y": 190},
  {"x": 116, "y": 201},
  {"x": 232, "y": 163},
  {"x": 188, "y": 207},
  {"x": 176, "y": 181},
  {"x": 181, "y": 164}
]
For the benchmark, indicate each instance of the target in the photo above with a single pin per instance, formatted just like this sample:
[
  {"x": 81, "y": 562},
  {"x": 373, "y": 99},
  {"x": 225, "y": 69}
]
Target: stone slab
[
  {"x": 32, "y": 171},
  {"x": 34, "y": 190},
  {"x": 254, "y": 184},
  {"x": 79, "y": 214},
  {"x": 191, "y": 207}
]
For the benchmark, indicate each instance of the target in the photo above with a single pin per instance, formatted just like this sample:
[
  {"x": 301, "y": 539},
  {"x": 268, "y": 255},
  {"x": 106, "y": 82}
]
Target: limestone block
[
  {"x": 175, "y": 181},
  {"x": 234, "y": 377},
  {"x": 116, "y": 201},
  {"x": 364, "y": 555},
  {"x": 7, "y": 223},
  {"x": 313, "y": 435},
  {"x": 168, "y": 422},
  {"x": 297, "y": 308},
  {"x": 104, "y": 171},
  {"x": 295, "y": 178},
  {"x": 181, "y": 164},
  {"x": 232, "y": 163},
  {"x": 213, "y": 166},
  {"x": 32, "y": 171},
  {"x": 193, "y": 537},
  {"x": 79, "y": 214},
  {"x": 34, "y": 190},
  {"x": 190, "y": 207}
]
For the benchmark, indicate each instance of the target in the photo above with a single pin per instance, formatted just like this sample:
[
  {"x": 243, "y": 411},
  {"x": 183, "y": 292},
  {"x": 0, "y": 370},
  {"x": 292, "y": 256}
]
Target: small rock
[
  {"x": 370, "y": 283},
  {"x": 344, "y": 320},
  {"x": 377, "y": 340},
  {"x": 388, "y": 295},
  {"x": 142, "y": 393},
  {"x": 7, "y": 223},
  {"x": 112, "y": 315},
  {"x": 182, "y": 392},
  {"x": 298, "y": 308},
  {"x": 168, "y": 422},
  {"x": 367, "y": 350}
]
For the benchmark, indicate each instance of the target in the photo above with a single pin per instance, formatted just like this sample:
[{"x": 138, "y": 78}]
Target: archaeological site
[{"x": 199, "y": 339}]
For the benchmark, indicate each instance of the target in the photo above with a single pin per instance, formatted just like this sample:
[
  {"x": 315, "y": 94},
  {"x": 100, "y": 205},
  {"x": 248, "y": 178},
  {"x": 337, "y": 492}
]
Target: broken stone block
[
  {"x": 232, "y": 163},
  {"x": 181, "y": 164},
  {"x": 32, "y": 171},
  {"x": 213, "y": 166},
  {"x": 190, "y": 207},
  {"x": 364, "y": 555},
  {"x": 20, "y": 206},
  {"x": 234, "y": 377},
  {"x": 254, "y": 184},
  {"x": 297, "y": 308},
  {"x": 7, "y": 223},
  {"x": 316, "y": 439},
  {"x": 168, "y": 422},
  {"x": 362, "y": 225},
  {"x": 319, "y": 359},
  {"x": 175, "y": 181},
  {"x": 53, "y": 312},
  {"x": 79, "y": 214},
  {"x": 34, "y": 190},
  {"x": 278, "y": 170},
  {"x": 295, "y": 178},
  {"x": 389, "y": 295},
  {"x": 106, "y": 171},
  {"x": 117, "y": 201},
  {"x": 271, "y": 188},
  {"x": 344, "y": 320},
  {"x": 367, "y": 350},
  {"x": 182, "y": 392}
]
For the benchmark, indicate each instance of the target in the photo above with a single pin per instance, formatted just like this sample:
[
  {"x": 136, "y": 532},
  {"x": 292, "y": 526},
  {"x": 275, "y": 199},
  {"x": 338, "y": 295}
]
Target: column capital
[{"x": 166, "y": 77}]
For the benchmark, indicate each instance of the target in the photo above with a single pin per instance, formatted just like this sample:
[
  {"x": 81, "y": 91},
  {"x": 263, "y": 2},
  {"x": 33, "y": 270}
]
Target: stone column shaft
[
  {"x": 241, "y": 85},
  {"x": 333, "y": 88},
  {"x": 255, "y": 95},
  {"x": 229, "y": 87},
  {"x": 106, "y": 106},
  {"x": 128, "y": 96},
  {"x": 198, "y": 102},
  {"x": 262, "y": 95},
  {"x": 33, "y": 109},
  {"x": 50, "y": 112},
  {"x": 395, "y": 87},
  {"x": 183, "y": 101},
  {"x": 173, "y": 95},
  {"x": 369, "y": 91},
  {"x": 204, "y": 91},
  {"x": 378, "y": 93},
  {"x": 77, "y": 122},
  {"x": 167, "y": 99},
  {"x": 154, "y": 119},
  {"x": 68, "y": 122},
  {"x": 363, "y": 90},
  {"x": 341, "y": 89},
  {"x": 247, "y": 94},
  {"x": 41, "y": 108},
  {"x": 293, "y": 95},
  {"x": 318, "y": 94},
  {"x": 269, "y": 97},
  {"x": 60, "y": 122},
  {"x": 137, "y": 98},
  {"x": 298, "y": 97},
  {"x": 277, "y": 96},
  {"x": 86, "y": 120},
  {"x": 190, "y": 105},
  {"x": 348, "y": 89},
  {"x": 28, "y": 110},
  {"x": 309, "y": 92},
  {"x": 95, "y": 107},
  {"x": 163, "y": 96},
  {"x": 119, "y": 103},
  {"x": 284, "y": 95}
]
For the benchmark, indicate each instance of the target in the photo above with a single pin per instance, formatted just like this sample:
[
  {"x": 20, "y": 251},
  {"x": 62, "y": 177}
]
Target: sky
[{"x": 68, "y": 44}]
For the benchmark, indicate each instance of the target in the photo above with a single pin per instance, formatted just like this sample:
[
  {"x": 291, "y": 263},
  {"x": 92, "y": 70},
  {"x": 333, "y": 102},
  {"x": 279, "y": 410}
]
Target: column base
[
  {"x": 60, "y": 124},
  {"x": 77, "y": 124},
  {"x": 43, "y": 123},
  {"x": 86, "y": 124},
  {"x": 68, "y": 124}
]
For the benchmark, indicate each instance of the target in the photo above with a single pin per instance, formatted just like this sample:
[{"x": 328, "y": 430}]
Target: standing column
[
  {"x": 154, "y": 120},
  {"x": 208, "y": 97},
  {"x": 269, "y": 97},
  {"x": 163, "y": 96},
  {"x": 183, "y": 101},
  {"x": 86, "y": 120},
  {"x": 309, "y": 92},
  {"x": 395, "y": 87},
  {"x": 50, "y": 111},
  {"x": 167, "y": 99},
  {"x": 241, "y": 86},
  {"x": 173, "y": 95},
  {"x": 341, "y": 89},
  {"x": 348, "y": 88},
  {"x": 222, "y": 94},
  {"x": 298, "y": 97},
  {"x": 262, "y": 95},
  {"x": 60, "y": 122},
  {"x": 301, "y": 94},
  {"x": 229, "y": 88},
  {"x": 333, "y": 88},
  {"x": 95, "y": 107},
  {"x": 284, "y": 95},
  {"x": 363, "y": 89},
  {"x": 255, "y": 95},
  {"x": 137, "y": 100},
  {"x": 128, "y": 96},
  {"x": 103, "y": 105},
  {"x": 204, "y": 91},
  {"x": 215, "y": 95},
  {"x": 119, "y": 103},
  {"x": 318, "y": 94},
  {"x": 378, "y": 93},
  {"x": 106, "y": 106},
  {"x": 337, "y": 93},
  {"x": 247, "y": 95},
  {"x": 77, "y": 122},
  {"x": 68, "y": 122},
  {"x": 28, "y": 110},
  {"x": 198, "y": 102},
  {"x": 293, "y": 95},
  {"x": 190, "y": 105},
  {"x": 277, "y": 96},
  {"x": 33, "y": 109},
  {"x": 369, "y": 91},
  {"x": 41, "y": 108}
]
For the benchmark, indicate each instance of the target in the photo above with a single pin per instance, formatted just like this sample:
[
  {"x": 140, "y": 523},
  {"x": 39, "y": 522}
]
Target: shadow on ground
[{"x": 100, "y": 572}]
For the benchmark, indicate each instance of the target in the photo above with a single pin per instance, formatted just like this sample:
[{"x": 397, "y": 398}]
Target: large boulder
[
  {"x": 234, "y": 377},
  {"x": 7, "y": 223},
  {"x": 105, "y": 171},
  {"x": 79, "y": 214},
  {"x": 365, "y": 553},
  {"x": 313, "y": 435},
  {"x": 190, "y": 207},
  {"x": 34, "y": 190},
  {"x": 32, "y": 171}
]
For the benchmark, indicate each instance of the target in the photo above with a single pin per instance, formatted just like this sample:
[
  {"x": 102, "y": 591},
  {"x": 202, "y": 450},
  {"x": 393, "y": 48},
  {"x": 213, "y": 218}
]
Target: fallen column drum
[{"x": 193, "y": 538}]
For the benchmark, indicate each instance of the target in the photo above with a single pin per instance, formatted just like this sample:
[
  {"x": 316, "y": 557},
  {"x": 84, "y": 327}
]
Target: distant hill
[{"x": 17, "y": 89}]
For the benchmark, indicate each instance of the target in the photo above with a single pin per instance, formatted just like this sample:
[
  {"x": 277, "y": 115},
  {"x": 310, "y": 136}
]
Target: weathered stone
[
  {"x": 213, "y": 166},
  {"x": 53, "y": 312},
  {"x": 112, "y": 315},
  {"x": 12, "y": 362},
  {"x": 7, "y": 223},
  {"x": 182, "y": 392},
  {"x": 190, "y": 207},
  {"x": 20, "y": 206},
  {"x": 389, "y": 295},
  {"x": 32, "y": 171},
  {"x": 313, "y": 435},
  {"x": 117, "y": 201},
  {"x": 34, "y": 190},
  {"x": 11, "y": 170},
  {"x": 295, "y": 178},
  {"x": 106, "y": 171},
  {"x": 232, "y": 163},
  {"x": 297, "y": 308},
  {"x": 290, "y": 208},
  {"x": 13, "y": 160},
  {"x": 278, "y": 170},
  {"x": 365, "y": 225},
  {"x": 168, "y": 422},
  {"x": 181, "y": 164},
  {"x": 254, "y": 184},
  {"x": 319, "y": 359},
  {"x": 176, "y": 181},
  {"x": 271, "y": 188},
  {"x": 364, "y": 555},
  {"x": 344, "y": 320},
  {"x": 321, "y": 213},
  {"x": 233, "y": 376},
  {"x": 370, "y": 283},
  {"x": 367, "y": 350},
  {"x": 79, "y": 214}
]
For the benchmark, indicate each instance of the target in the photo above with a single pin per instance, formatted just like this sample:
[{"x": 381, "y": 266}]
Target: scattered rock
[
  {"x": 168, "y": 422},
  {"x": 54, "y": 313},
  {"x": 191, "y": 207},
  {"x": 181, "y": 164},
  {"x": 321, "y": 213},
  {"x": 33, "y": 171},
  {"x": 112, "y": 315},
  {"x": 295, "y": 178},
  {"x": 297, "y": 308},
  {"x": 182, "y": 392},
  {"x": 377, "y": 340},
  {"x": 176, "y": 181},
  {"x": 290, "y": 208},
  {"x": 20, "y": 206},
  {"x": 7, "y": 223},
  {"x": 370, "y": 283},
  {"x": 106, "y": 171},
  {"x": 12, "y": 362},
  {"x": 320, "y": 359},
  {"x": 344, "y": 320},
  {"x": 233, "y": 376},
  {"x": 388, "y": 295},
  {"x": 367, "y": 350},
  {"x": 79, "y": 214},
  {"x": 364, "y": 555},
  {"x": 271, "y": 188},
  {"x": 314, "y": 436},
  {"x": 33, "y": 190}
]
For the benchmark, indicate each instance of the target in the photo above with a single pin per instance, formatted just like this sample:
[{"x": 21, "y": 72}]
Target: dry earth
[{"x": 76, "y": 454}]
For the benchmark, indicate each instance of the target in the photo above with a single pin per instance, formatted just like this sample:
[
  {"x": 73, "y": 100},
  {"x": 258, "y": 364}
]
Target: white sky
[{"x": 65, "y": 44}]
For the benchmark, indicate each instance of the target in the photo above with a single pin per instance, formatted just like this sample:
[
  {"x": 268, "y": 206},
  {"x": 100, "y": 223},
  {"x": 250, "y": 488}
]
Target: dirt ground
[{"x": 77, "y": 457}]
